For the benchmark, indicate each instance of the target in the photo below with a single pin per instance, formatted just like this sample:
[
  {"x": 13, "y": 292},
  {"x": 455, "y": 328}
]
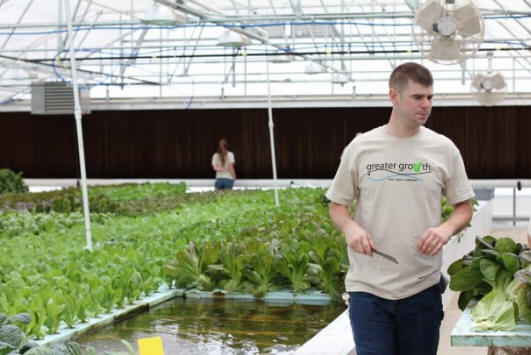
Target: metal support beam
[
  {"x": 273, "y": 8},
  {"x": 262, "y": 39},
  {"x": 13, "y": 31},
  {"x": 135, "y": 51},
  {"x": 513, "y": 34},
  {"x": 18, "y": 23},
  {"x": 271, "y": 134},
  {"x": 79, "y": 129},
  {"x": 187, "y": 67},
  {"x": 82, "y": 17},
  {"x": 296, "y": 7}
]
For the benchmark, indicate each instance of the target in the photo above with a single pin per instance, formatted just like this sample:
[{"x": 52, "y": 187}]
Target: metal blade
[{"x": 386, "y": 256}]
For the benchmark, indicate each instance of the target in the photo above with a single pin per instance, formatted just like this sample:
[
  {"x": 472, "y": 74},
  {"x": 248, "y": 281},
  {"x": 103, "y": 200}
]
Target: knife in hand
[{"x": 386, "y": 256}]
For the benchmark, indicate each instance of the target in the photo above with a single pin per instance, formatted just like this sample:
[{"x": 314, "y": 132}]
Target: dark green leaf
[
  {"x": 456, "y": 266},
  {"x": 464, "y": 299},
  {"x": 466, "y": 279},
  {"x": 510, "y": 262},
  {"x": 489, "y": 269}
]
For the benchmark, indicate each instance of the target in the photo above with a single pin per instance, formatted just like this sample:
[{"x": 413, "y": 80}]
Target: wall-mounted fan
[
  {"x": 488, "y": 89},
  {"x": 448, "y": 31}
]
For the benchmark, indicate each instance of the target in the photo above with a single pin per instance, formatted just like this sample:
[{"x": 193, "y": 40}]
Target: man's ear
[{"x": 394, "y": 95}]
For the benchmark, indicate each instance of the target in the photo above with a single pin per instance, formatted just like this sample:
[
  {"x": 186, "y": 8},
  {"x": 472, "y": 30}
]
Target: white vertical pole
[
  {"x": 271, "y": 135},
  {"x": 79, "y": 128}
]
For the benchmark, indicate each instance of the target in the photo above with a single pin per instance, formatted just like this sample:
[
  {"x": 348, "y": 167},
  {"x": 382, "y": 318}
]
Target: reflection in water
[{"x": 218, "y": 326}]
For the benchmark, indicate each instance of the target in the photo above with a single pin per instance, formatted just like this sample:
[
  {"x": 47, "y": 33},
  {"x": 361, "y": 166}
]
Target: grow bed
[
  {"x": 285, "y": 297},
  {"x": 219, "y": 325}
]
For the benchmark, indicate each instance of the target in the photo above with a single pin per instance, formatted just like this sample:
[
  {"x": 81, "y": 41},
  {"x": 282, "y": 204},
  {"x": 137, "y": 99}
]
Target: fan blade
[
  {"x": 498, "y": 96},
  {"x": 445, "y": 48},
  {"x": 468, "y": 21},
  {"x": 490, "y": 98},
  {"x": 498, "y": 82},
  {"x": 476, "y": 82},
  {"x": 427, "y": 16}
]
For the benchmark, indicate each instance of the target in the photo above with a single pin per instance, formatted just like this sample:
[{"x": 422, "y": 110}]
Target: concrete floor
[{"x": 452, "y": 312}]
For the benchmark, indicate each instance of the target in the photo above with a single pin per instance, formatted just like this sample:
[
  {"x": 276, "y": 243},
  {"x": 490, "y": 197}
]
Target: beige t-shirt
[
  {"x": 398, "y": 183},
  {"x": 228, "y": 161}
]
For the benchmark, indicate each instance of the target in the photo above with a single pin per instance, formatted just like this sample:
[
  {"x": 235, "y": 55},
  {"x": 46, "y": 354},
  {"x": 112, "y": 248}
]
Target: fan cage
[{"x": 464, "y": 47}]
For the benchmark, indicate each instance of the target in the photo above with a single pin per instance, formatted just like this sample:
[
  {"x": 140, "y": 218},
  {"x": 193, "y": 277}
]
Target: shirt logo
[{"x": 397, "y": 171}]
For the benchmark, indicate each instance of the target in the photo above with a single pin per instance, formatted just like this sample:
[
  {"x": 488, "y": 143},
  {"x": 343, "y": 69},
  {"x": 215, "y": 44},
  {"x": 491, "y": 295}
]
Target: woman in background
[{"x": 223, "y": 164}]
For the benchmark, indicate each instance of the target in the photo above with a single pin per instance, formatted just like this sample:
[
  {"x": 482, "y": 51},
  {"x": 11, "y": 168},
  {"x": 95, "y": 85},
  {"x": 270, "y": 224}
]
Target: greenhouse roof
[{"x": 192, "y": 49}]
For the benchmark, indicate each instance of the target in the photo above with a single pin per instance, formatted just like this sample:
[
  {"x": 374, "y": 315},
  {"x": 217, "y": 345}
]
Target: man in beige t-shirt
[{"x": 397, "y": 173}]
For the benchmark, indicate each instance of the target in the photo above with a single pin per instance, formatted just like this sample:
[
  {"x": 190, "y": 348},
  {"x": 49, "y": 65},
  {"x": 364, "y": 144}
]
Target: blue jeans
[
  {"x": 409, "y": 326},
  {"x": 223, "y": 184}
]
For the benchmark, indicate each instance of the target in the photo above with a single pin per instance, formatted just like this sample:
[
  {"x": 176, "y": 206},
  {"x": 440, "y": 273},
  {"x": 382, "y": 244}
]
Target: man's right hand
[{"x": 358, "y": 239}]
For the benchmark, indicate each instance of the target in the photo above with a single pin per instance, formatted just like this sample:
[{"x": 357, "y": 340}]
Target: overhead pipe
[
  {"x": 297, "y": 53},
  {"x": 43, "y": 63}
]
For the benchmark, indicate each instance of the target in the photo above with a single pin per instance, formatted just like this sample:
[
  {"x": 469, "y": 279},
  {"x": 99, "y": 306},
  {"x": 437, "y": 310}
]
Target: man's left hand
[{"x": 433, "y": 240}]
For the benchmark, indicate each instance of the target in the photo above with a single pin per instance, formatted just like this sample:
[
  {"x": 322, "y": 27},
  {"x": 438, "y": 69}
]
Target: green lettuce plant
[
  {"x": 487, "y": 274},
  {"x": 292, "y": 263},
  {"x": 184, "y": 234},
  {"x": 262, "y": 270},
  {"x": 234, "y": 260},
  {"x": 191, "y": 266},
  {"x": 494, "y": 312},
  {"x": 11, "y": 182}
]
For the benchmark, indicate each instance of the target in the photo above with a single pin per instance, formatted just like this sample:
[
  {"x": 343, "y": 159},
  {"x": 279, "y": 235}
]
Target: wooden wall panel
[
  {"x": 38, "y": 146},
  {"x": 495, "y": 142},
  {"x": 174, "y": 144},
  {"x": 486, "y": 137},
  {"x": 310, "y": 141}
]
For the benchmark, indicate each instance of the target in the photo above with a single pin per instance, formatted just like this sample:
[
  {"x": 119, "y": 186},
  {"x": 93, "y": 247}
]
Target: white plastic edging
[
  {"x": 311, "y": 296},
  {"x": 494, "y": 183},
  {"x": 334, "y": 339},
  {"x": 251, "y": 183},
  {"x": 484, "y": 183}
]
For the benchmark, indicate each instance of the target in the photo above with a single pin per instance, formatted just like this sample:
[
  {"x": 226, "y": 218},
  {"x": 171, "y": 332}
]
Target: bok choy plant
[
  {"x": 262, "y": 269},
  {"x": 190, "y": 267},
  {"x": 234, "y": 261},
  {"x": 292, "y": 263},
  {"x": 487, "y": 274}
]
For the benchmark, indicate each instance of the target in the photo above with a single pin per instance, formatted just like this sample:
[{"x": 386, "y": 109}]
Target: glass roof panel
[{"x": 201, "y": 48}]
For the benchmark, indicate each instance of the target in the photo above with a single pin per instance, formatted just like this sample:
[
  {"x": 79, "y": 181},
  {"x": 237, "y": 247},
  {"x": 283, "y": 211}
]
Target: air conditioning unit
[{"x": 56, "y": 98}]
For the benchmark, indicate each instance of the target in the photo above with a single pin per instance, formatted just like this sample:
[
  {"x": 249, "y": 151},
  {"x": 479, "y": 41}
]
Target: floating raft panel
[{"x": 464, "y": 335}]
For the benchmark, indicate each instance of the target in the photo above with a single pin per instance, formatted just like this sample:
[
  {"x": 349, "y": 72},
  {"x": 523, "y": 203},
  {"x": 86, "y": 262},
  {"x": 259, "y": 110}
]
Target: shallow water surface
[{"x": 219, "y": 326}]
